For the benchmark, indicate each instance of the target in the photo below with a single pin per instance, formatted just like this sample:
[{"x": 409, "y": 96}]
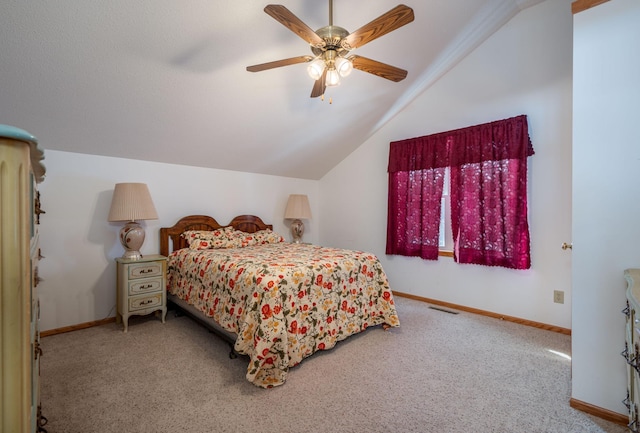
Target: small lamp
[
  {"x": 344, "y": 66},
  {"x": 297, "y": 209},
  {"x": 333, "y": 78},
  {"x": 316, "y": 68},
  {"x": 131, "y": 202}
]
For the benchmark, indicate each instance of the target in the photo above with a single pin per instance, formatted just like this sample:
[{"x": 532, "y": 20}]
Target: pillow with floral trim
[
  {"x": 267, "y": 236},
  {"x": 243, "y": 239},
  {"x": 260, "y": 237},
  {"x": 208, "y": 239}
]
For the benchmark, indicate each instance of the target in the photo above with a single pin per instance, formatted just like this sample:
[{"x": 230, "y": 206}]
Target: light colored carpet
[{"x": 438, "y": 372}]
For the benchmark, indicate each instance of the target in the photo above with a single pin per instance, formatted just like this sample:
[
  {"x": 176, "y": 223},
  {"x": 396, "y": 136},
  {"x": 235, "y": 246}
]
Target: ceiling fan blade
[
  {"x": 319, "y": 86},
  {"x": 285, "y": 17},
  {"x": 385, "y": 23},
  {"x": 279, "y": 63},
  {"x": 378, "y": 68}
]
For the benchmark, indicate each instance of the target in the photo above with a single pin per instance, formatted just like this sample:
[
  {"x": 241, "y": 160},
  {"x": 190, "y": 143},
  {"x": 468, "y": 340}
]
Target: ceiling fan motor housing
[{"x": 332, "y": 36}]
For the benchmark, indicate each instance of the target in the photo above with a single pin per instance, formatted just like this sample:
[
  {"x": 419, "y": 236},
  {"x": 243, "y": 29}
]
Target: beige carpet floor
[{"x": 437, "y": 373}]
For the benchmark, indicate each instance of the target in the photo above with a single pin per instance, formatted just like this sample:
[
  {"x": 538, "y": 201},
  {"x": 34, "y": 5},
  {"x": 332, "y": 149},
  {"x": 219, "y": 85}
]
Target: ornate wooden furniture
[
  {"x": 20, "y": 172},
  {"x": 141, "y": 287},
  {"x": 631, "y": 351}
]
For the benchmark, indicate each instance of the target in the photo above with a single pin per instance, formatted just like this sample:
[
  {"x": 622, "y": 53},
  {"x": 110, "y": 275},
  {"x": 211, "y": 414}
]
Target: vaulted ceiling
[{"x": 166, "y": 80}]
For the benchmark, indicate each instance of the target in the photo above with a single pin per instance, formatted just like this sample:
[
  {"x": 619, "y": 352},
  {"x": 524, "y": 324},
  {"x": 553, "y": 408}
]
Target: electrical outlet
[{"x": 558, "y": 296}]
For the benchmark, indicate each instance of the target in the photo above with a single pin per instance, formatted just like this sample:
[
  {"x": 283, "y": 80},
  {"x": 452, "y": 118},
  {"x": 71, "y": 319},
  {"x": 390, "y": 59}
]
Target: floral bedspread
[{"x": 284, "y": 301}]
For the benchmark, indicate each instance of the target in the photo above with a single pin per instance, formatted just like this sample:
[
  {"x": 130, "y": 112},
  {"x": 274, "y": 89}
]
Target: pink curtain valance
[{"x": 493, "y": 141}]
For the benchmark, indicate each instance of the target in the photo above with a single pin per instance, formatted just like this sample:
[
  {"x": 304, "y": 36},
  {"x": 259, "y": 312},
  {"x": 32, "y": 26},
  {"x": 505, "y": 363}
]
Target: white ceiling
[{"x": 165, "y": 80}]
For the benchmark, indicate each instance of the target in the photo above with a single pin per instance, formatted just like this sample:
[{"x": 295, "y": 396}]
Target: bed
[{"x": 274, "y": 301}]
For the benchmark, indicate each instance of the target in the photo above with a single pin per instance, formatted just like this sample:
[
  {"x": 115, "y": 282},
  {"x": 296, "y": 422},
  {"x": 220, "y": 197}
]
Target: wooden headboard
[{"x": 245, "y": 223}]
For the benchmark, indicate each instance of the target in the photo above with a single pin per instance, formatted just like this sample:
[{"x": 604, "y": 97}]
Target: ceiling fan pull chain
[{"x": 330, "y": 99}]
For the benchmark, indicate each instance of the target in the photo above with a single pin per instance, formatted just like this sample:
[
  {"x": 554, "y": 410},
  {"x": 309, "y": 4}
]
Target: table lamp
[
  {"x": 297, "y": 209},
  {"x": 132, "y": 202}
]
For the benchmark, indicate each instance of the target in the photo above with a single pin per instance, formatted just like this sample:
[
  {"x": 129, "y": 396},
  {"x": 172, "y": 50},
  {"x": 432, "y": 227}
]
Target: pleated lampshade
[{"x": 131, "y": 202}]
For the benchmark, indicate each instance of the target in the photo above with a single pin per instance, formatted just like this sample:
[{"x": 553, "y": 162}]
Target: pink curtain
[
  {"x": 416, "y": 177},
  {"x": 488, "y": 194}
]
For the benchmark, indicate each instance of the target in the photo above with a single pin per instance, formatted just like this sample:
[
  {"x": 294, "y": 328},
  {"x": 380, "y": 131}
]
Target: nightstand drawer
[
  {"x": 144, "y": 270},
  {"x": 139, "y": 287},
  {"x": 144, "y": 302}
]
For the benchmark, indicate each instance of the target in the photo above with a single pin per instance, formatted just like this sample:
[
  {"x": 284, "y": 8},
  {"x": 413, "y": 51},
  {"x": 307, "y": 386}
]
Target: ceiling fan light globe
[
  {"x": 316, "y": 68},
  {"x": 344, "y": 66},
  {"x": 333, "y": 78}
]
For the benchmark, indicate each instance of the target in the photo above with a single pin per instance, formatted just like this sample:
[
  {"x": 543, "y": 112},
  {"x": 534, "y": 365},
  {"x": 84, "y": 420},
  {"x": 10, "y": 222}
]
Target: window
[
  {"x": 488, "y": 201},
  {"x": 445, "y": 243}
]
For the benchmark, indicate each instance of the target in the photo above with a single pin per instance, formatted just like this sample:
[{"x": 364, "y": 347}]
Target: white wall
[
  {"x": 606, "y": 189},
  {"x": 80, "y": 246},
  {"x": 524, "y": 68}
]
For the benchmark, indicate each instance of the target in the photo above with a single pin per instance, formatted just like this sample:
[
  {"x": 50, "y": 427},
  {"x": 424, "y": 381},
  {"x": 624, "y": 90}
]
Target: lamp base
[
  {"x": 297, "y": 230},
  {"x": 132, "y": 238}
]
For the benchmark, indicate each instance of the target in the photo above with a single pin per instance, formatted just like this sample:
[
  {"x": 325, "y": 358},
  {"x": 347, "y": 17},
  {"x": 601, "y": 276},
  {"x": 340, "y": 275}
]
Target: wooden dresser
[
  {"x": 21, "y": 170},
  {"x": 631, "y": 351}
]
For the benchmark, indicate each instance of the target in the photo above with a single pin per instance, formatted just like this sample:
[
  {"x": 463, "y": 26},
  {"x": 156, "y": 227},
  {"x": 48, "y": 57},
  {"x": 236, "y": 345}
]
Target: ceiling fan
[{"x": 332, "y": 45}]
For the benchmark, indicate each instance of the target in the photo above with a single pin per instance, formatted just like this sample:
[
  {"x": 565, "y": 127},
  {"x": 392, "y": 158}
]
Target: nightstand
[{"x": 141, "y": 287}]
